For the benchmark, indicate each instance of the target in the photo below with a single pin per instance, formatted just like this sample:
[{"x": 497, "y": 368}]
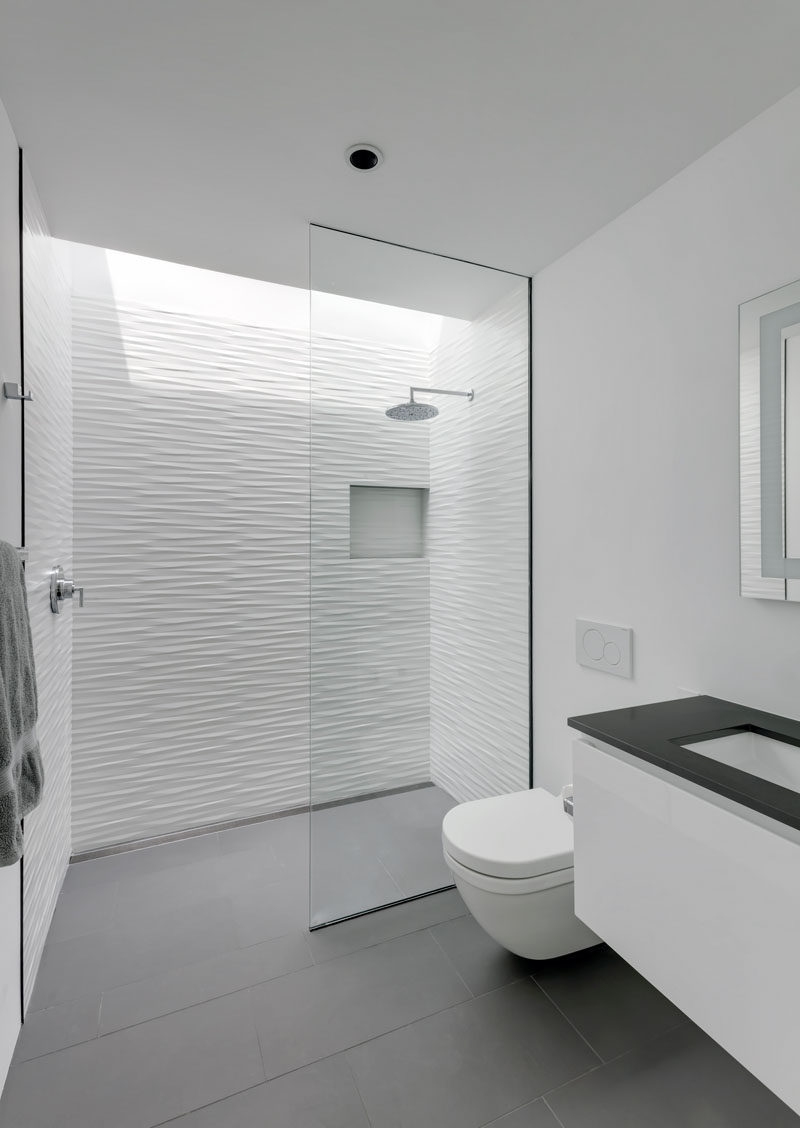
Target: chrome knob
[{"x": 61, "y": 588}]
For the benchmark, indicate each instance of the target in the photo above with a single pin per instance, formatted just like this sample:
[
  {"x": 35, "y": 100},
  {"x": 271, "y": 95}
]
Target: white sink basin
[{"x": 762, "y": 756}]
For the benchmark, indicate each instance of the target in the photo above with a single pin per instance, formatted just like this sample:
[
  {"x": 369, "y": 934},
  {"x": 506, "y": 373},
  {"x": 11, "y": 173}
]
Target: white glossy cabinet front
[{"x": 702, "y": 901}]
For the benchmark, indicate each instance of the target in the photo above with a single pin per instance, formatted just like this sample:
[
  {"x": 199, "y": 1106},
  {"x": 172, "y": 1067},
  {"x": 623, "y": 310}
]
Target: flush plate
[{"x": 601, "y": 646}]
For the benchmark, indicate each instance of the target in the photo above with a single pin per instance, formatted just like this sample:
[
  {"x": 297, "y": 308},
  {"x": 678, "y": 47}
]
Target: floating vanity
[{"x": 687, "y": 862}]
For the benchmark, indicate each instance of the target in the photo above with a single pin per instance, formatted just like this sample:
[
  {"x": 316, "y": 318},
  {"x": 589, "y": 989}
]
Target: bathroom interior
[{"x": 399, "y": 712}]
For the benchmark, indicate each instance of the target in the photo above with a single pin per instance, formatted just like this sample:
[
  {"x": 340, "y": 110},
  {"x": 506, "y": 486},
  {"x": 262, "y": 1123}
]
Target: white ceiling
[{"x": 211, "y": 131}]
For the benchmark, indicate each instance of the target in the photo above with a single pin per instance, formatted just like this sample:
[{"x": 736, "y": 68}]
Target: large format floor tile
[
  {"x": 58, "y": 1027},
  {"x": 322, "y": 1095},
  {"x": 199, "y": 982},
  {"x": 470, "y": 1064},
  {"x": 612, "y": 1005},
  {"x": 481, "y": 962},
  {"x": 137, "y": 950},
  {"x": 139, "y": 1077},
  {"x": 325, "y": 1009},
  {"x": 681, "y": 1079}
]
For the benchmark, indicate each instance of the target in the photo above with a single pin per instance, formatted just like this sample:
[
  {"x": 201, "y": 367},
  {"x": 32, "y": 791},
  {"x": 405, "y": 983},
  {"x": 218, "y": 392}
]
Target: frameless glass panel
[{"x": 419, "y": 560}]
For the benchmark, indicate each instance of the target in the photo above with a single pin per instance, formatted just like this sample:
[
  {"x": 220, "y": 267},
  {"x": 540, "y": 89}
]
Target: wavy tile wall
[
  {"x": 191, "y": 688},
  {"x": 478, "y": 548},
  {"x": 370, "y": 619},
  {"x": 191, "y": 501},
  {"x": 48, "y": 513},
  {"x": 191, "y": 516}
]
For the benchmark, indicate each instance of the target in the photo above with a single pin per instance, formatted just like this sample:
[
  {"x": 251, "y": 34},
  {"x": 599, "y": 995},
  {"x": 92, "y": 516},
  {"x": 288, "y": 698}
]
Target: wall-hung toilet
[{"x": 512, "y": 860}]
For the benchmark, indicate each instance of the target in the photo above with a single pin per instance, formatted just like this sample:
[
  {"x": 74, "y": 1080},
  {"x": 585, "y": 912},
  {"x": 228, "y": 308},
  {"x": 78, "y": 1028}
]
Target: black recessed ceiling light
[{"x": 364, "y": 157}]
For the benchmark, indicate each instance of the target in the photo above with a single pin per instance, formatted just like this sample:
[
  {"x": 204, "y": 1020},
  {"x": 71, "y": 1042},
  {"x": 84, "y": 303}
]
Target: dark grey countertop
[{"x": 655, "y": 732}]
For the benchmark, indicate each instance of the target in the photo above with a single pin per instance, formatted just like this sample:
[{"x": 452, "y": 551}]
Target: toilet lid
[{"x": 519, "y": 835}]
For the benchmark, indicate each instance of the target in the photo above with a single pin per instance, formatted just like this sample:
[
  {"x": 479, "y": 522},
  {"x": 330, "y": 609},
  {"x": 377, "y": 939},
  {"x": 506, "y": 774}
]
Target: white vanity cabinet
[{"x": 702, "y": 897}]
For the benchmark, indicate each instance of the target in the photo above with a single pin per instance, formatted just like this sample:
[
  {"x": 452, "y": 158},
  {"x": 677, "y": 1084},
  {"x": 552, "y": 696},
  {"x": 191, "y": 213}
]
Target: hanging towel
[{"x": 21, "y": 775}]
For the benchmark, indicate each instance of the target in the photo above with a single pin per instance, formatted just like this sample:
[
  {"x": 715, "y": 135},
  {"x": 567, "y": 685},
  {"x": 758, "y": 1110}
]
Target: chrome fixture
[
  {"x": 412, "y": 411},
  {"x": 15, "y": 392},
  {"x": 61, "y": 588}
]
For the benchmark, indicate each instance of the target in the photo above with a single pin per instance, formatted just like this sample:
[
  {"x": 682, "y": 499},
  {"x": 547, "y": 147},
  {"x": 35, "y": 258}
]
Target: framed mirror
[{"x": 769, "y": 407}]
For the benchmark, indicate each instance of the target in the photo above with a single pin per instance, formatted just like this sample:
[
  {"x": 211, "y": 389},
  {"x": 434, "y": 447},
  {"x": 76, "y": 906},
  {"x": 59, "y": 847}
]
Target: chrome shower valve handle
[{"x": 61, "y": 588}]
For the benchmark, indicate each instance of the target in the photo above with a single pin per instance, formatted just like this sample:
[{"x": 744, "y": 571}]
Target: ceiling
[{"x": 210, "y": 132}]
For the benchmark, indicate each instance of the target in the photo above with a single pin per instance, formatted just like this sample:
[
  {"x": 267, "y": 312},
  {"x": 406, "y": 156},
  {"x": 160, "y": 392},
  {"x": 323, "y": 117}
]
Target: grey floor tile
[
  {"x": 375, "y": 928},
  {"x": 533, "y": 1115},
  {"x": 611, "y": 1004},
  {"x": 167, "y": 890},
  {"x": 320, "y": 1011},
  {"x": 199, "y": 982},
  {"x": 344, "y": 882},
  {"x": 58, "y": 1027},
  {"x": 481, "y": 962},
  {"x": 681, "y": 1079},
  {"x": 150, "y": 859},
  {"x": 243, "y": 872},
  {"x": 139, "y": 950},
  {"x": 415, "y": 861},
  {"x": 284, "y": 839},
  {"x": 322, "y": 1095},
  {"x": 264, "y": 912},
  {"x": 403, "y": 831},
  {"x": 83, "y": 910},
  {"x": 142, "y": 1076},
  {"x": 70, "y": 970},
  {"x": 471, "y": 1064}
]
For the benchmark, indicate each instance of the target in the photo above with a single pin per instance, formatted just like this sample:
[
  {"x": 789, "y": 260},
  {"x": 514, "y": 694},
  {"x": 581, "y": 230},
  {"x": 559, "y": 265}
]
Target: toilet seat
[
  {"x": 523, "y": 835},
  {"x": 508, "y": 885}
]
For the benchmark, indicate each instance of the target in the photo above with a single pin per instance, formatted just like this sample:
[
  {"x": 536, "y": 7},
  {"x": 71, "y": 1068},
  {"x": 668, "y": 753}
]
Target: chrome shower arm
[{"x": 441, "y": 392}]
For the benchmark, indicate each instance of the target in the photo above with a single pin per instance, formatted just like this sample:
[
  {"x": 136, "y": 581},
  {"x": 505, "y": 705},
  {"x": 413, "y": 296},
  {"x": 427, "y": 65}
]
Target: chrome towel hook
[{"x": 15, "y": 392}]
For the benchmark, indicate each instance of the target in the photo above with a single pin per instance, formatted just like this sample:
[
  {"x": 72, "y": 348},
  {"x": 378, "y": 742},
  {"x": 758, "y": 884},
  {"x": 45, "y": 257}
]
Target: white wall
[
  {"x": 478, "y": 547},
  {"x": 10, "y": 529},
  {"x": 192, "y": 537},
  {"x": 635, "y": 442},
  {"x": 370, "y": 619},
  {"x": 48, "y": 531}
]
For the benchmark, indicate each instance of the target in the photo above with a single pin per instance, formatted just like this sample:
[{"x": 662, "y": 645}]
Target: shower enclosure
[{"x": 419, "y": 560}]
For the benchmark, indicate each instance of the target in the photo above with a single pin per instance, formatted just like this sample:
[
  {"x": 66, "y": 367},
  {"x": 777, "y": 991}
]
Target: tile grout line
[
  {"x": 567, "y": 1019},
  {"x": 249, "y": 988},
  {"x": 552, "y": 1112},
  {"x": 358, "y": 1089},
  {"x": 232, "y": 951},
  {"x": 453, "y": 966},
  {"x": 611, "y": 1061}
]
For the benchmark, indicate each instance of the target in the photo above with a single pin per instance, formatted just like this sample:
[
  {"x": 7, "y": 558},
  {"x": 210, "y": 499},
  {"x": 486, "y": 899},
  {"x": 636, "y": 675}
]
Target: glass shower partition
[{"x": 419, "y": 556}]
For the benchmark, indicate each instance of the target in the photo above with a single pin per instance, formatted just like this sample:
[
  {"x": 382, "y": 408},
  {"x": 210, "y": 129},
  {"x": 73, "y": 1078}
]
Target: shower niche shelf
[{"x": 388, "y": 522}]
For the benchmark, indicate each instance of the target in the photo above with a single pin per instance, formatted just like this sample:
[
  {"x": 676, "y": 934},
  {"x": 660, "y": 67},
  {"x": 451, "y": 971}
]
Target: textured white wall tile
[
  {"x": 192, "y": 535},
  {"x": 191, "y": 507},
  {"x": 370, "y": 619},
  {"x": 478, "y": 548},
  {"x": 48, "y": 518}
]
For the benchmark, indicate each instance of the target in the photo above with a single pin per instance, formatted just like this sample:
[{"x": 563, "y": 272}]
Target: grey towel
[{"x": 21, "y": 775}]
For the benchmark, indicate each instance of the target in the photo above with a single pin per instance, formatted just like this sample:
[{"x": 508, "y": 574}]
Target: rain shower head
[{"x": 412, "y": 411}]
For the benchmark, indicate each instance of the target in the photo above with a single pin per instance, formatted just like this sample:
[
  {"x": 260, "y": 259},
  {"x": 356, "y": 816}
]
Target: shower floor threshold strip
[
  {"x": 233, "y": 824},
  {"x": 380, "y": 908}
]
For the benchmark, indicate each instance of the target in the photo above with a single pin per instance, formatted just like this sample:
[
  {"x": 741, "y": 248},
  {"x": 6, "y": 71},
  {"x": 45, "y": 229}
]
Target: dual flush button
[{"x": 601, "y": 646}]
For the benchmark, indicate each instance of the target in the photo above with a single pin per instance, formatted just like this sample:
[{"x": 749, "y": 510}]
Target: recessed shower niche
[
  {"x": 419, "y": 550},
  {"x": 387, "y": 522}
]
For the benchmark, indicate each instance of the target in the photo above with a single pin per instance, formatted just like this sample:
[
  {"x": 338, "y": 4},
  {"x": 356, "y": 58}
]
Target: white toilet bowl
[{"x": 511, "y": 857}]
